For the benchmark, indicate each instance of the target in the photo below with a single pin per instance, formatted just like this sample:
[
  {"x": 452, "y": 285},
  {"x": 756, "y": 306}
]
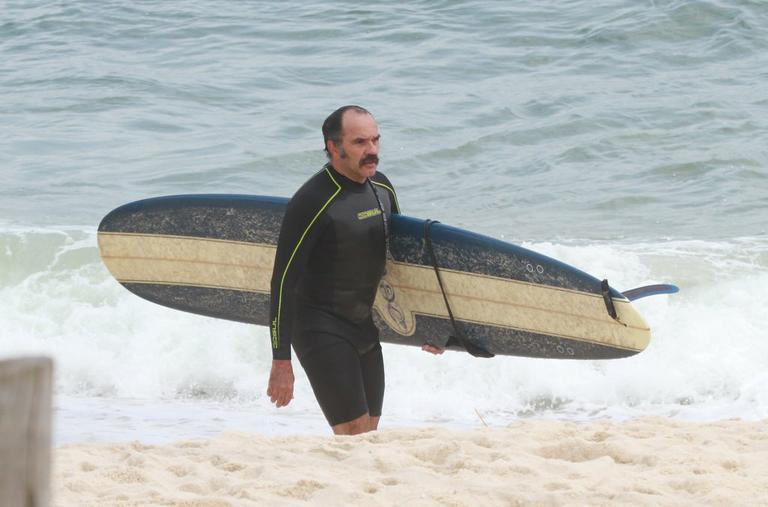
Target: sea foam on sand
[{"x": 647, "y": 461}]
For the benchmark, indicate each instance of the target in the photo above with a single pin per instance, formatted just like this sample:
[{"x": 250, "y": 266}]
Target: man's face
[{"x": 357, "y": 156}]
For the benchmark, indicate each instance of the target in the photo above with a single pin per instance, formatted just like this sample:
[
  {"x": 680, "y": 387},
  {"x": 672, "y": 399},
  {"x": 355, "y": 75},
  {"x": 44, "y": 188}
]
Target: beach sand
[{"x": 647, "y": 461}]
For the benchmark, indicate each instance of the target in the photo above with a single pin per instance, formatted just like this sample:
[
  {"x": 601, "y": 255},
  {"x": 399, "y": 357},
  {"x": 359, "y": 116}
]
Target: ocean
[{"x": 627, "y": 138}]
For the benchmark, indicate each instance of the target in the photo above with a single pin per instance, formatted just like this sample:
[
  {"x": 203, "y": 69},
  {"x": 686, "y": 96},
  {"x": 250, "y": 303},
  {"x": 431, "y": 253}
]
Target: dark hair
[{"x": 332, "y": 125}]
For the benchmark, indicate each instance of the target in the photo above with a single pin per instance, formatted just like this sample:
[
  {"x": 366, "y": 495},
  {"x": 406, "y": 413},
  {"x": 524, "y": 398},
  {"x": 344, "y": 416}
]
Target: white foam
[{"x": 708, "y": 357}]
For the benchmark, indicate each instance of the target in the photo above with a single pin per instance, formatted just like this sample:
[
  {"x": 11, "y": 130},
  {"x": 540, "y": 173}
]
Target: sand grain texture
[{"x": 649, "y": 461}]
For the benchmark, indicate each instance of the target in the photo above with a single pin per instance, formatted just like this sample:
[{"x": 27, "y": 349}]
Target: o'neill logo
[
  {"x": 368, "y": 214},
  {"x": 274, "y": 333}
]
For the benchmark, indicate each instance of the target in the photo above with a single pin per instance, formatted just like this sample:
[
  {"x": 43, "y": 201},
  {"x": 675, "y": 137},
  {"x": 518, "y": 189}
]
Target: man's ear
[{"x": 332, "y": 148}]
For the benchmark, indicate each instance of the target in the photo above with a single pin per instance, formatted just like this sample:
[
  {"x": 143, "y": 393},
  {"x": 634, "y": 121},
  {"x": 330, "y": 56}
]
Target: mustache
[{"x": 369, "y": 158}]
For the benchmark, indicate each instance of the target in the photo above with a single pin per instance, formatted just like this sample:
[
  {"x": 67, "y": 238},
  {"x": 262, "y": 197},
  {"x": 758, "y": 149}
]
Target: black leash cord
[{"x": 470, "y": 347}]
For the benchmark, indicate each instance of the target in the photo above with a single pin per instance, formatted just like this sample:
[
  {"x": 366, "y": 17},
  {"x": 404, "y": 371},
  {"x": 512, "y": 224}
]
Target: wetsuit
[{"x": 329, "y": 262}]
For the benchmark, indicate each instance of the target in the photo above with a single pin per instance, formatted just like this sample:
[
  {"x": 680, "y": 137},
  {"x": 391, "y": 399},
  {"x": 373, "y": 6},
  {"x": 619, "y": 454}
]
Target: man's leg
[
  {"x": 335, "y": 374},
  {"x": 362, "y": 424},
  {"x": 354, "y": 427},
  {"x": 372, "y": 367},
  {"x": 372, "y": 371}
]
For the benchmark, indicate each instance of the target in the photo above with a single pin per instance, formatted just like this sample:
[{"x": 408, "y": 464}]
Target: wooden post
[{"x": 25, "y": 431}]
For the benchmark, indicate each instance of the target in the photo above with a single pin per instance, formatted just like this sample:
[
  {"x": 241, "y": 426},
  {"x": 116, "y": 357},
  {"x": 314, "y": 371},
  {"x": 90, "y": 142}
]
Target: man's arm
[
  {"x": 301, "y": 226},
  {"x": 432, "y": 349},
  {"x": 302, "y": 223},
  {"x": 281, "y": 379}
]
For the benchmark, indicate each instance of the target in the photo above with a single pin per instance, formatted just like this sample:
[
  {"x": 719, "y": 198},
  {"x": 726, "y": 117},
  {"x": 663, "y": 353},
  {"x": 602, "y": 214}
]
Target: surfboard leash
[
  {"x": 387, "y": 253},
  {"x": 470, "y": 347}
]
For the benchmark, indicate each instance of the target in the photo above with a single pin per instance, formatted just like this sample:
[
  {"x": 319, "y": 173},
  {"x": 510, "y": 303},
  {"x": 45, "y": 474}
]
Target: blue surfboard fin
[{"x": 650, "y": 290}]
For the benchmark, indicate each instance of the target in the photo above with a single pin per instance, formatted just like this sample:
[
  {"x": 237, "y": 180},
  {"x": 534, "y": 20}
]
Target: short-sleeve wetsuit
[{"x": 329, "y": 261}]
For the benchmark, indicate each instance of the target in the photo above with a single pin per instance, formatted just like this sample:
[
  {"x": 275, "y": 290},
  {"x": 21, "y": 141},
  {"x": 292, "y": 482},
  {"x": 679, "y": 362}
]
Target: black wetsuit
[{"x": 329, "y": 262}]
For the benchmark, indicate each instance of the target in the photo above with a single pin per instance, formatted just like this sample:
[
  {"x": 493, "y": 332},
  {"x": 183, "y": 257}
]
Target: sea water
[{"x": 629, "y": 139}]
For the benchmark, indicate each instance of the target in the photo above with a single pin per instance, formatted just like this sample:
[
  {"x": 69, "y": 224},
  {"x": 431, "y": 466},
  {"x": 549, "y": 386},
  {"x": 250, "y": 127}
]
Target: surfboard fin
[
  {"x": 609, "y": 306},
  {"x": 650, "y": 290}
]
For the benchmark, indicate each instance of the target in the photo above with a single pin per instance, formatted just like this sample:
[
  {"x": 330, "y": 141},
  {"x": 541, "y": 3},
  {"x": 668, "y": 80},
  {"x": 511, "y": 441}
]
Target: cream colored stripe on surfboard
[
  {"x": 508, "y": 303},
  {"x": 180, "y": 260},
  {"x": 201, "y": 262}
]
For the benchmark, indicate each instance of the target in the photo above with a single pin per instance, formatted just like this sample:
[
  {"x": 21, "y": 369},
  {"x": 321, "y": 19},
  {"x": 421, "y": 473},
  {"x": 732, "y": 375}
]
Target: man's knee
[{"x": 362, "y": 424}]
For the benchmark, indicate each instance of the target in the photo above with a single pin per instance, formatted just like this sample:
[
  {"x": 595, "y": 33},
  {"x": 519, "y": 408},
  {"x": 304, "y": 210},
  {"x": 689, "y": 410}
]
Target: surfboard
[{"x": 213, "y": 255}]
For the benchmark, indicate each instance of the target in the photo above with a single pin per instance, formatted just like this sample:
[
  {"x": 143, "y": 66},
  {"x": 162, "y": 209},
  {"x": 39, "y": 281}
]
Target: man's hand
[
  {"x": 432, "y": 349},
  {"x": 280, "y": 389}
]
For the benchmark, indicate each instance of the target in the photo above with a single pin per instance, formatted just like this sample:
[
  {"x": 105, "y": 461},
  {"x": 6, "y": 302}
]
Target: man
[{"x": 330, "y": 259}]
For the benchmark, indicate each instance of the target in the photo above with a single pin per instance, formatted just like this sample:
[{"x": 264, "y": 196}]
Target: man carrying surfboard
[{"x": 330, "y": 258}]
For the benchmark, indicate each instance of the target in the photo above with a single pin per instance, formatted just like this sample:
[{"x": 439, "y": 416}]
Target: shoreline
[{"x": 643, "y": 461}]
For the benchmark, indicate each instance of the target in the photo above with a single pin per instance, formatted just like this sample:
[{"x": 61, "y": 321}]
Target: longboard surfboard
[{"x": 213, "y": 255}]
